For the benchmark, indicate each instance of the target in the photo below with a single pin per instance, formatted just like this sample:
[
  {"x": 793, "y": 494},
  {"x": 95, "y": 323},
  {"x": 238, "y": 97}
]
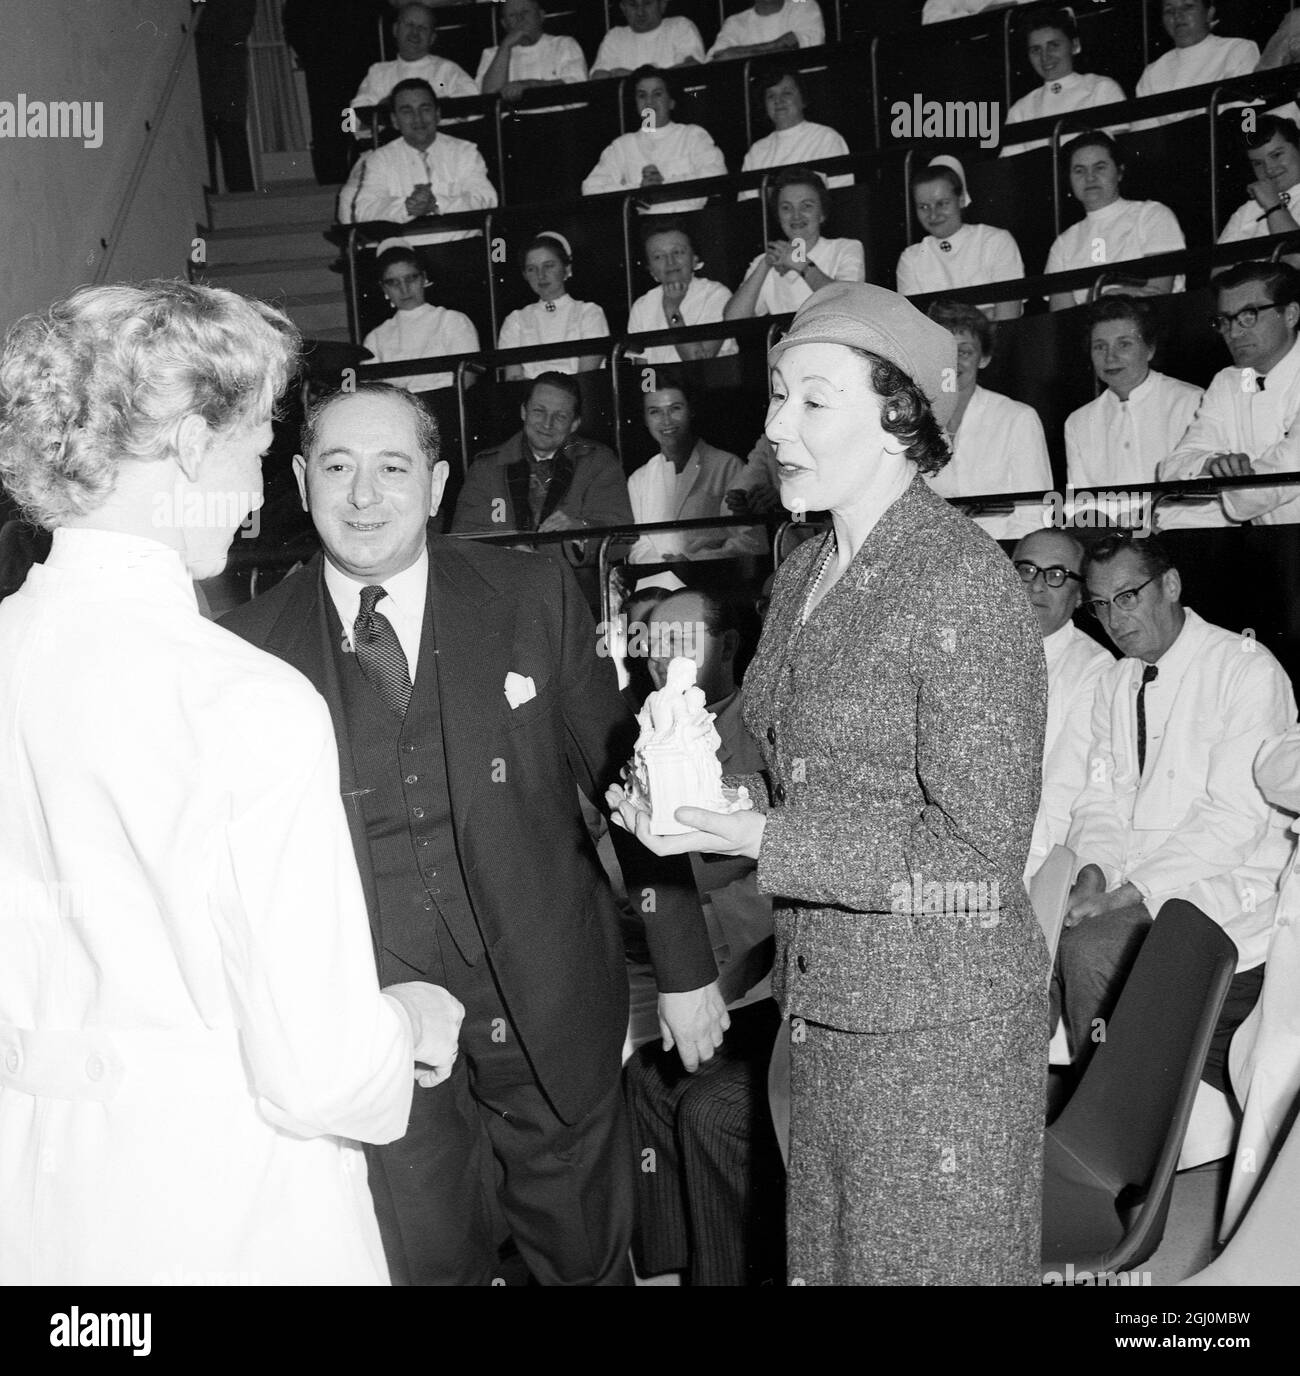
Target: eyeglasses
[
  {"x": 409, "y": 280},
  {"x": 1245, "y": 317},
  {"x": 1054, "y": 577},
  {"x": 1101, "y": 607}
]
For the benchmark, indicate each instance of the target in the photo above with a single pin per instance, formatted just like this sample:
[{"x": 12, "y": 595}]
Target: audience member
[
  {"x": 221, "y": 53},
  {"x": 659, "y": 151},
  {"x": 546, "y": 477},
  {"x": 1052, "y": 40},
  {"x": 527, "y": 56},
  {"x": 1113, "y": 230},
  {"x": 421, "y": 173},
  {"x": 416, "y": 329},
  {"x": 769, "y": 26},
  {"x": 555, "y": 316},
  {"x": 1170, "y": 809},
  {"x": 647, "y": 39},
  {"x": 997, "y": 444},
  {"x": 414, "y": 29},
  {"x": 1244, "y": 424},
  {"x": 1284, "y": 47},
  {"x": 794, "y": 139},
  {"x": 713, "y": 1205},
  {"x": 782, "y": 279},
  {"x": 687, "y": 479},
  {"x": 1197, "y": 58},
  {"x": 680, "y": 299},
  {"x": 758, "y": 488},
  {"x": 1273, "y": 149},
  {"x": 955, "y": 254},
  {"x": 939, "y": 11},
  {"x": 1050, "y": 565},
  {"x": 1142, "y": 415}
]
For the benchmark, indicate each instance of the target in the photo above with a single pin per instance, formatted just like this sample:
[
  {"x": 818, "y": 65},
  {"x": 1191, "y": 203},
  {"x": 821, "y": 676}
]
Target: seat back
[
  {"x": 1049, "y": 892},
  {"x": 1127, "y": 1118}
]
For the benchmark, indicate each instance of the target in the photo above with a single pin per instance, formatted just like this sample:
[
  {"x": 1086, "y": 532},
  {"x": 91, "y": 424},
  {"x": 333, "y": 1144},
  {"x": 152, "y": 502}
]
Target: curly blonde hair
[{"x": 110, "y": 374}]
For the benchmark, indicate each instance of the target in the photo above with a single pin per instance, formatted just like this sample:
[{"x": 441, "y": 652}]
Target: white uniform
[
  {"x": 938, "y": 11},
  {"x": 1078, "y": 91},
  {"x": 1194, "y": 825},
  {"x": 703, "y": 303},
  {"x": 534, "y": 324},
  {"x": 1110, "y": 441},
  {"x": 1212, "y": 59},
  {"x": 1117, "y": 233},
  {"x": 448, "y": 80},
  {"x": 425, "y": 332},
  {"x": 841, "y": 260},
  {"x": 1075, "y": 661},
  {"x": 681, "y": 152},
  {"x": 672, "y": 43},
  {"x": 803, "y": 18},
  {"x": 190, "y": 1020},
  {"x": 1250, "y": 222},
  {"x": 1237, "y": 416},
  {"x": 999, "y": 447},
  {"x": 800, "y": 144},
  {"x": 554, "y": 57},
  {"x": 974, "y": 255}
]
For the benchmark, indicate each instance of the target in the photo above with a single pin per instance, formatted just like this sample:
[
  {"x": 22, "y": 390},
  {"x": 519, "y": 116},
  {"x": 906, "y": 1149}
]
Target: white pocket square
[{"x": 519, "y": 690}]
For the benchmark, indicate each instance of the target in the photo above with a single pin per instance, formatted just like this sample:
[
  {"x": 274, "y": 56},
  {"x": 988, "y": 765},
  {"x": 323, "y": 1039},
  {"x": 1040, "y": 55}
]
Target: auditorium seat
[
  {"x": 836, "y": 87},
  {"x": 924, "y": 64},
  {"x": 728, "y": 236},
  {"x": 1171, "y": 164},
  {"x": 463, "y": 32},
  {"x": 1015, "y": 194},
  {"x": 712, "y": 96},
  {"x": 547, "y": 155}
]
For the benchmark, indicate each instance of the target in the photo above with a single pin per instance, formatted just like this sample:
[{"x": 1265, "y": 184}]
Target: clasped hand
[
  {"x": 1089, "y": 898},
  {"x": 435, "y": 1017},
  {"x": 1229, "y": 466}
]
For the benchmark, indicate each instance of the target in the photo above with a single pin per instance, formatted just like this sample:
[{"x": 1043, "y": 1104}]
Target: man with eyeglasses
[
  {"x": 1050, "y": 564},
  {"x": 1245, "y": 422},
  {"x": 1170, "y": 808}
]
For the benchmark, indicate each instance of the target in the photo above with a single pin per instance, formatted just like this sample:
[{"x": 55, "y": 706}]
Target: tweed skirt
[{"x": 916, "y": 1156}]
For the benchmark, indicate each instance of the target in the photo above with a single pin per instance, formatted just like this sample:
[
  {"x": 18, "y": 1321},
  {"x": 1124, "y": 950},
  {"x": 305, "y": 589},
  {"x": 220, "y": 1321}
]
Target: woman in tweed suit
[{"x": 899, "y": 698}]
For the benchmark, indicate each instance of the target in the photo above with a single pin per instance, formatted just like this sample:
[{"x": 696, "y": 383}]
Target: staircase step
[
  {"x": 317, "y": 313},
  {"x": 265, "y": 243},
  {"x": 271, "y": 280},
  {"x": 337, "y": 334},
  {"x": 285, "y": 203}
]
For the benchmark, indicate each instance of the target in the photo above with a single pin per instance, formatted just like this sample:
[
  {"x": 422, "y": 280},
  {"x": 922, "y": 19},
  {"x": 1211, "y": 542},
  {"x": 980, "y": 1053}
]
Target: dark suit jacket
[{"x": 547, "y": 914}]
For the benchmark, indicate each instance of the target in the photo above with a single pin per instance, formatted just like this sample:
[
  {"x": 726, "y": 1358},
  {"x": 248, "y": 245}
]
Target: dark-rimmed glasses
[
  {"x": 1055, "y": 576},
  {"x": 1245, "y": 317},
  {"x": 1101, "y": 606}
]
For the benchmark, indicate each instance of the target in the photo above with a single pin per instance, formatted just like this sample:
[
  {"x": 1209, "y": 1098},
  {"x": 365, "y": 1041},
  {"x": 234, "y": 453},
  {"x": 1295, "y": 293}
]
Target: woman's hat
[{"x": 862, "y": 316}]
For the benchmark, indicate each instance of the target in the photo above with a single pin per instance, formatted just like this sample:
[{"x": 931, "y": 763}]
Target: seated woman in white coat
[
  {"x": 998, "y": 444},
  {"x": 190, "y": 1021},
  {"x": 954, "y": 254},
  {"x": 555, "y": 316},
  {"x": 416, "y": 329},
  {"x": 779, "y": 281},
  {"x": 1113, "y": 230}
]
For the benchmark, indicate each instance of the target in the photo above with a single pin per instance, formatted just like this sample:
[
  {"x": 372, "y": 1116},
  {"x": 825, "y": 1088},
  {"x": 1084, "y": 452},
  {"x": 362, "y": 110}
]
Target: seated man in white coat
[
  {"x": 414, "y": 29},
  {"x": 1197, "y": 58},
  {"x": 680, "y": 299},
  {"x": 657, "y": 152},
  {"x": 1050, "y": 564},
  {"x": 647, "y": 37},
  {"x": 421, "y": 173},
  {"x": 1247, "y": 421},
  {"x": 1171, "y": 809},
  {"x": 528, "y": 57},
  {"x": 769, "y": 26}
]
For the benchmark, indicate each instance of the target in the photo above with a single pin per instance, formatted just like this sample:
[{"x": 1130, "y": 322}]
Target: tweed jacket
[{"x": 902, "y": 728}]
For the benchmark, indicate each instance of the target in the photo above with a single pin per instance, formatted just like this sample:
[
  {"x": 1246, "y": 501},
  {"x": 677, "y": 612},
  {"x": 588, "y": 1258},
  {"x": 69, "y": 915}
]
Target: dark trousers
[
  {"x": 710, "y": 1184},
  {"x": 1093, "y": 961},
  {"x": 485, "y": 1151},
  {"x": 223, "y": 92}
]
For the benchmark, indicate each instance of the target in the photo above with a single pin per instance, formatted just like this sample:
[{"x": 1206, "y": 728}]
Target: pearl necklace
[{"x": 823, "y": 564}]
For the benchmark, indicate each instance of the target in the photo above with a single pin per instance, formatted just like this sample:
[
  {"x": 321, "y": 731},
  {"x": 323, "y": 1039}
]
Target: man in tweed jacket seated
[{"x": 1170, "y": 809}]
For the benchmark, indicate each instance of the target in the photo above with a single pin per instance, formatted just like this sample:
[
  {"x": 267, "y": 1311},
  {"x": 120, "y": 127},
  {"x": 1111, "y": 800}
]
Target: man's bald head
[{"x": 1050, "y": 549}]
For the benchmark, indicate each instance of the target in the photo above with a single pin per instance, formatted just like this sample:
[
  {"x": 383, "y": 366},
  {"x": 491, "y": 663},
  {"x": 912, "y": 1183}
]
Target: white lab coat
[{"x": 190, "y": 1019}]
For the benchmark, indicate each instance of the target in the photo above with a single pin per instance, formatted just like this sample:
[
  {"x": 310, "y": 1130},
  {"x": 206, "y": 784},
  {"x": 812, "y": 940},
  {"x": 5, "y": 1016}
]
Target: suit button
[
  {"x": 417, "y": 812},
  {"x": 13, "y": 1060},
  {"x": 802, "y": 962},
  {"x": 94, "y": 1068},
  {"x": 771, "y": 735},
  {"x": 779, "y": 793},
  {"x": 412, "y": 778}
]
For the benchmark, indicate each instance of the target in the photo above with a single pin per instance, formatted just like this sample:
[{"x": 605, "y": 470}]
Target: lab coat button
[
  {"x": 13, "y": 1060},
  {"x": 94, "y": 1068}
]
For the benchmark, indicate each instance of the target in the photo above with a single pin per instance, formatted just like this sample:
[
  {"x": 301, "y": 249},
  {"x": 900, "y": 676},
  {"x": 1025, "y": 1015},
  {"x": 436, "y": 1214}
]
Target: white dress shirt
[
  {"x": 1237, "y": 416},
  {"x": 408, "y": 591},
  {"x": 190, "y": 1021},
  {"x": 448, "y": 80},
  {"x": 1195, "y": 825},
  {"x": 681, "y": 152},
  {"x": 800, "y": 144},
  {"x": 534, "y": 324},
  {"x": 1075, "y": 662},
  {"x": 1078, "y": 91},
  {"x": 1110, "y": 441},
  {"x": 1249, "y": 221},
  {"x": 974, "y": 255},
  {"x": 668, "y": 45},
  {"x": 840, "y": 259},
  {"x": 1117, "y": 233},
  {"x": 554, "y": 57},
  {"x": 803, "y": 18},
  {"x": 703, "y": 303},
  {"x": 425, "y": 332},
  {"x": 1212, "y": 59},
  {"x": 381, "y": 180},
  {"x": 999, "y": 447}
]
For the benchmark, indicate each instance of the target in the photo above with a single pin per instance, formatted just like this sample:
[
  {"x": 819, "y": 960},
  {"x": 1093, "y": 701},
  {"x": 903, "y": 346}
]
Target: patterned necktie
[
  {"x": 379, "y": 652},
  {"x": 1148, "y": 674},
  {"x": 1259, "y": 382}
]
